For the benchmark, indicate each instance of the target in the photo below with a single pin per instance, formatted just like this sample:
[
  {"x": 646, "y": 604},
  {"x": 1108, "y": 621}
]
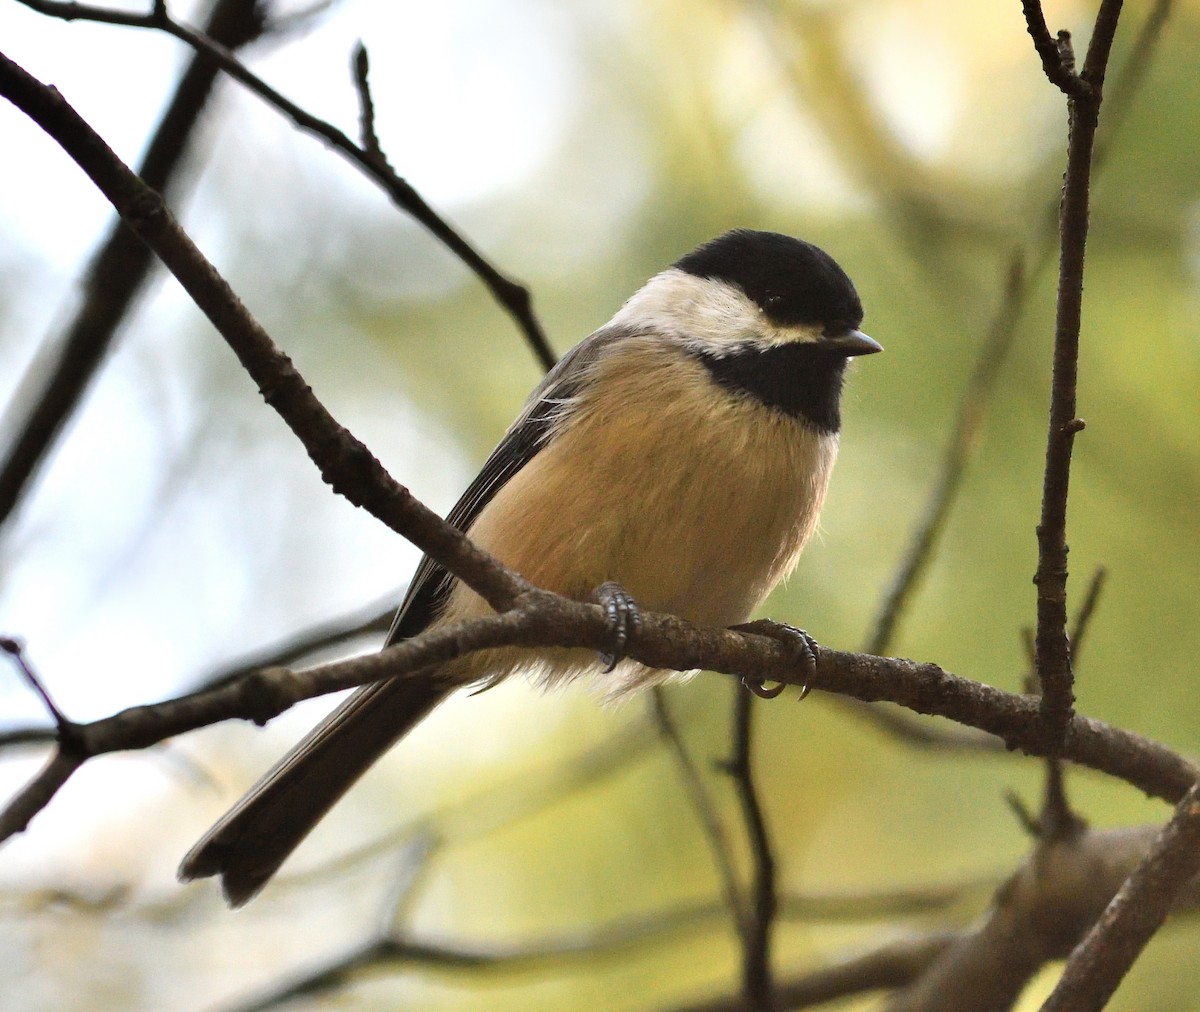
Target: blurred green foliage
[{"x": 917, "y": 141}]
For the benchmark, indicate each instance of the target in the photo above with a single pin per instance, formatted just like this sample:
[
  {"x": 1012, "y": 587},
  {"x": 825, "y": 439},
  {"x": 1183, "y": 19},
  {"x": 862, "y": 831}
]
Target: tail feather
[{"x": 247, "y": 846}]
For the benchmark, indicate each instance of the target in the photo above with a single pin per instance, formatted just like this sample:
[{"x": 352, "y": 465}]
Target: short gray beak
[{"x": 852, "y": 342}]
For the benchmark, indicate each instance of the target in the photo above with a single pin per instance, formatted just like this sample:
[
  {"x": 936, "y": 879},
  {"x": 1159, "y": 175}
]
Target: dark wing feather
[
  {"x": 543, "y": 412},
  {"x": 254, "y": 838}
]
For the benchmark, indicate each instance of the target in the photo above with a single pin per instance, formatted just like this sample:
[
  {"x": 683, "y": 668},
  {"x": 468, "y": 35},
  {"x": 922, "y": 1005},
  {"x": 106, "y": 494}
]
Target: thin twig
[
  {"x": 892, "y": 964},
  {"x": 1084, "y": 96},
  {"x": 514, "y": 298},
  {"x": 757, "y": 981},
  {"x": 366, "y": 108},
  {"x": 16, "y": 651},
  {"x": 1025, "y": 818},
  {"x": 928, "y": 531},
  {"x": 345, "y": 463},
  {"x": 1058, "y": 819},
  {"x": 25, "y": 737},
  {"x": 417, "y": 863},
  {"x": 705, "y": 809},
  {"x": 1138, "y": 910},
  {"x": 374, "y": 620},
  {"x": 1086, "y": 610},
  {"x": 396, "y": 951}
]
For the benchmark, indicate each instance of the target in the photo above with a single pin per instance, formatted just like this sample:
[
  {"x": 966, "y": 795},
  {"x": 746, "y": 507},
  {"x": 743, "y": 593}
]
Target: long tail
[{"x": 250, "y": 842}]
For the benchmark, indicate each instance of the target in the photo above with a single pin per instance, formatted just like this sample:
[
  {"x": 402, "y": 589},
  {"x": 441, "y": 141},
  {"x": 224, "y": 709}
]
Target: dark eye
[{"x": 772, "y": 301}]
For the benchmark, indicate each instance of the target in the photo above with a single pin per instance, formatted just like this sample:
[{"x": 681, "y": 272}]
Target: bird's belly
[{"x": 697, "y": 520}]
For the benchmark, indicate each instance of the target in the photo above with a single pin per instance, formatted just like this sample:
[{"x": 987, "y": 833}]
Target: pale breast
[{"x": 698, "y": 501}]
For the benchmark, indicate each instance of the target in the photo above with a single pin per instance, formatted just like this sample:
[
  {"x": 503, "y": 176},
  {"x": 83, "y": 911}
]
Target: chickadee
[{"x": 682, "y": 452}]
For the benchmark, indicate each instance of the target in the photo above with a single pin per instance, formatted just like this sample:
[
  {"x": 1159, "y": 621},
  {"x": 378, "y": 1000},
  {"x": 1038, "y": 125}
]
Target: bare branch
[
  {"x": 758, "y": 985},
  {"x": 1083, "y": 104},
  {"x": 366, "y": 107},
  {"x": 344, "y": 462},
  {"x": 892, "y": 964},
  {"x": 373, "y": 620},
  {"x": 1086, "y": 611},
  {"x": 118, "y": 271},
  {"x": 25, "y": 737},
  {"x": 943, "y": 496},
  {"x": 1138, "y": 910},
  {"x": 40, "y": 791},
  {"x": 511, "y": 296},
  {"x": 1059, "y": 72},
  {"x": 1037, "y": 916},
  {"x": 705, "y": 808},
  {"x": 16, "y": 651}
]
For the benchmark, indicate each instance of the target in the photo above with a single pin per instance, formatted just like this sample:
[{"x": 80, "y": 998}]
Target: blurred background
[{"x": 581, "y": 146}]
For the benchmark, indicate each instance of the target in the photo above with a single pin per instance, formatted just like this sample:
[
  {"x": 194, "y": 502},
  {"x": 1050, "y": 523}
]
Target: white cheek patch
[{"x": 712, "y": 316}]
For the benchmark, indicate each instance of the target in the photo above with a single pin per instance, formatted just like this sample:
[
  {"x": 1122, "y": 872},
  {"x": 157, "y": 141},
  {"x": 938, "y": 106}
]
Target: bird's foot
[
  {"x": 803, "y": 646},
  {"x": 623, "y": 617}
]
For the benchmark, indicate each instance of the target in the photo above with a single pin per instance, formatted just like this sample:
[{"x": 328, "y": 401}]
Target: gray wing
[
  {"x": 254, "y": 838},
  {"x": 544, "y": 412}
]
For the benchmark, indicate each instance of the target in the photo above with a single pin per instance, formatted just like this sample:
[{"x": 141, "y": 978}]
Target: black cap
[{"x": 792, "y": 281}]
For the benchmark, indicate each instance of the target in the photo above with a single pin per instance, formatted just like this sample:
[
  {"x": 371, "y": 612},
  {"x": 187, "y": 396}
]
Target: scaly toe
[
  {"x": 623, "y": 618},
  {"x": 803, "y": 646}
]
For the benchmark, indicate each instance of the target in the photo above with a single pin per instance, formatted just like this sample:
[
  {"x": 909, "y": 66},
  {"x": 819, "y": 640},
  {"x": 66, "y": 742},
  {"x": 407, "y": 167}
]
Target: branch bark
[
  {"x": 1138, "y": 910},
  {"x": 514, "y": 298},
  {"x": 120, "y": 268},
  {"x": 758, "y": 985},
  {"x": 343, "y": 461},
  {"x": 1084, "y": 93}
]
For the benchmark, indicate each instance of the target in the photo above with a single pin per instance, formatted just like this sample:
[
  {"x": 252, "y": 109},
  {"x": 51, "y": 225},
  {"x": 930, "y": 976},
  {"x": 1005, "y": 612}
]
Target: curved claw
[
  {"x": 760, "y": 689},
  {"x": 801, "y": 643},
  {"x": 624, "y": 618}
]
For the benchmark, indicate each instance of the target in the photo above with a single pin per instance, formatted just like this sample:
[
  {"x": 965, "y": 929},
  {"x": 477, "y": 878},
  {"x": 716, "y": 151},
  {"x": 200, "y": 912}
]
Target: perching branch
[
  {"x": 542, "y": 619},
  {"x": 511, "y": 296}
]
